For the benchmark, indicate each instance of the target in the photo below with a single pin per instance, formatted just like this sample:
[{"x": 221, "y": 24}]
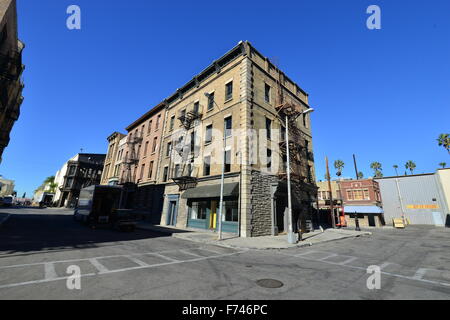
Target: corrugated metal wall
[{"x": 414, "y": 190}]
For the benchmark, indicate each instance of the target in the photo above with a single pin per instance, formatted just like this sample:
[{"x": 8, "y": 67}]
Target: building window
[
  {"x": 269, "y": 128},
  {"x": 172, "y": 122},
  {"x": 138, "y": 151},
  {"x": 229, "y": 91},
  {"x": 231, "y": 211},
  {"x": 228, "y": 161},
  {"x": 304, "y": 120},
  {"x": 366, "y": 194},
  {"x": 149, "y": 129},
  {"x": 208, "y": 134},
  {"x": 146, "y": 148},
  {"x": 192, "y": 141},
  {"x": 72, "y": 170},
  {"x": 155, "y": 140},
  {"x": 142, "y": 130},
  {"x": 199, "y": 210},
  {"x": 165, "y": 173},
  {"x": 182, "y": 114},
  {"x": 142, "y": 172},
  {"x": 349, "y": 194},
  {"x": 228, "y": 124},
  {"x": 211, "y": 101},
  {"x": 267, "y": 93},
  {"x": 176, "y": 172},
  {"x": 269, "y": 159},
  {"x": 196, "y": 107},
  {"x": 207, "y": 166},
  {"x": 158, "y": 120},
  {"x": 150, "y": 170},
  {"x": 169, "y": 149}
]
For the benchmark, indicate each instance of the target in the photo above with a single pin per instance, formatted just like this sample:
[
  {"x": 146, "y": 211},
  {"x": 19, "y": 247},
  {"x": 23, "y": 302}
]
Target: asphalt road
[{"x": 38, "y": 246}]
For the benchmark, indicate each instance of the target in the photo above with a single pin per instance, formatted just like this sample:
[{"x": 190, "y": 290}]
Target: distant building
[
  {"x": 420, "y": 198},
  {"x": 324, "y": 202},
  {"x": 113, "y": 163},
  {"x": 6, "y": 187},
  {"x": 11, "y": 68},
  {"x": 83, "y": 170},
  {"x": 362, "y": 198}
]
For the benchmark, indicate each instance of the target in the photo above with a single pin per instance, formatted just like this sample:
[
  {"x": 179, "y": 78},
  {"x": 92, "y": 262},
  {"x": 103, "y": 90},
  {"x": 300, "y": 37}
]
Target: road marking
[
  {"x": 385, "y": 264},
  {"x": 103, "y": 272},
  {"x": 139, "y": 262},
  {"x": 190, "y": 253},
  {"x": 329, "y": 256},
  {"x": 417, "y": 277},
  {"x": 101, "y": 268},
  {"x": 350, "y": 259},
  {"x": 50, "y": 272},
  {"x": 164, "y": 257},
  {"x": 306, "y": 253}
]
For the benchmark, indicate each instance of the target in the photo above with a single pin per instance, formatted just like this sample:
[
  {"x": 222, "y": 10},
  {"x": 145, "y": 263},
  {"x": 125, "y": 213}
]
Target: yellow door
[{"x": 213, "y": 215}]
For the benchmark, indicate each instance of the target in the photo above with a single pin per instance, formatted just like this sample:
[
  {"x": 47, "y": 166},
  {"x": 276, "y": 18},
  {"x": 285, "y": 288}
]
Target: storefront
[{"x": 203, "y": 205}]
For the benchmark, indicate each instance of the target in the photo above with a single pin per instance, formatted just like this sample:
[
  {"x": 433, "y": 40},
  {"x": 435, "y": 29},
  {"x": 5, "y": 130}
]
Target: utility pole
[
  {"x": 356, "y": 168},
  {"x": 333, "y": 220}
]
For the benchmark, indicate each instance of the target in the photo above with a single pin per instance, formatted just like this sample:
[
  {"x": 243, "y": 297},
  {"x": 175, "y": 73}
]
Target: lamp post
[
  {"x": 291, "y": 237},
  {"x": 222, "y": 179}
]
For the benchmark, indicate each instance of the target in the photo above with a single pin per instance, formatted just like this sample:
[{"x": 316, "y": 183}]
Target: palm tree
[
  {"x": 444, "y": 141},
  {"x": 360, "y": 175},
  {"x": 396, "y": 167},
  {"x": 339, "y": 165},
  {"x": 411, "y": 166},
  {"x": 443, "y": 165},
  {"x": 376, "y": 166}
]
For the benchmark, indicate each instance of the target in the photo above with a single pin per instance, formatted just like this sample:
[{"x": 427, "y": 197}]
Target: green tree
[
  {"x": 339, "y": 165},
  {"x": 396, "y": 167},
  {"x": 376, "y": 167},
  {"x": 444, "y": 141},
  {"x": 410, "y": 165},
  {"x": 443, "y": 165},
  {"x": 360, "y": 175}
]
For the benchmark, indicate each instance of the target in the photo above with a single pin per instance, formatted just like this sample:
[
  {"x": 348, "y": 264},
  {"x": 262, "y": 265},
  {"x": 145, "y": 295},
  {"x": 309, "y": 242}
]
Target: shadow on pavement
[{"x": 25, "y": 233}]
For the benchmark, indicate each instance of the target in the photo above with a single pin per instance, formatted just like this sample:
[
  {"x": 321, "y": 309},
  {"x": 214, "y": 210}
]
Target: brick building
[
  {"x": 363, "y": 198},
  {"x": 11, "y": 68}
]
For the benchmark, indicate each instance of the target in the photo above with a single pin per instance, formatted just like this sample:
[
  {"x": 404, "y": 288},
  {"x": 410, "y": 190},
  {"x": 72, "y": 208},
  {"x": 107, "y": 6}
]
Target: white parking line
[
  {"x": 418, "y": 276},
  {"x": 190, "y": 253},
  {"x": 101, "y": 268},
  {"x": 139, "y": 262},
  {"x": 50, "y": 274}
]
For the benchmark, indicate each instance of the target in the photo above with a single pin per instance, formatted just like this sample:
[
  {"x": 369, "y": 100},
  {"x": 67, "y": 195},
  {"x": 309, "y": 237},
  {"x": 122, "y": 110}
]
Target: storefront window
[
  {"x": 231, "y": 211},
  {"x": 198, "y": 210}
]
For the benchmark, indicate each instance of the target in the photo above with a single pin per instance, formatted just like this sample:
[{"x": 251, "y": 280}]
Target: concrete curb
[
  {"x": 226, "y": 245},
  {"x": 2, "y": 221}
]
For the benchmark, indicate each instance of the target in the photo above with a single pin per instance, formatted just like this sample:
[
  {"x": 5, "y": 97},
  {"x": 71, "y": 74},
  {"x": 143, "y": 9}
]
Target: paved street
[{"x": 37, "y": 247}]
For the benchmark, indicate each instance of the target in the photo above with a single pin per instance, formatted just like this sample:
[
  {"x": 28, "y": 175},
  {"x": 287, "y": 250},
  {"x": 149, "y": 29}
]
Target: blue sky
[{"x": 381, "y": 94}]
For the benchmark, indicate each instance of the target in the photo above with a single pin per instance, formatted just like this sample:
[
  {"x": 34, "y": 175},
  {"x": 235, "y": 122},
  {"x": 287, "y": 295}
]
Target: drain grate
[{"x": 269, "y": 283}]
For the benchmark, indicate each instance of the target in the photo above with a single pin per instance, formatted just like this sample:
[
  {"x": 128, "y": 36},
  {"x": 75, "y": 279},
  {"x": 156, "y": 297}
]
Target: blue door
[{"x": 172, "y": 211}]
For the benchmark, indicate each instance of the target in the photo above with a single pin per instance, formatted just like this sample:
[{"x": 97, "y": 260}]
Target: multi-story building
[
  {"x": 231, "y": 117},
  {"x": 113, "y": 161},
  {"x": 6, "y": 187},
  {"x": 83, "y": 170},
  {"x": 11, "y": 68},
  {"x": 362, "y": 199}
]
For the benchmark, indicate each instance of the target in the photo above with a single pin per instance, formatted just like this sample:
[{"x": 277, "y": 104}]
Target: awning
[
  {"x": 363, "y": 209},
  {"x": 213, "y": 191}
]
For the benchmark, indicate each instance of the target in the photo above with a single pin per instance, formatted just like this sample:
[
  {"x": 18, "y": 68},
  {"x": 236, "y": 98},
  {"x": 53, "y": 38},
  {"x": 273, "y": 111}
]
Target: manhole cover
[{"x": 269, "y": 283}]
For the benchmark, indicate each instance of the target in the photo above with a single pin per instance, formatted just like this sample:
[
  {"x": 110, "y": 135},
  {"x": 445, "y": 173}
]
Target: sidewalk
[{"x": 258, "y": 243}]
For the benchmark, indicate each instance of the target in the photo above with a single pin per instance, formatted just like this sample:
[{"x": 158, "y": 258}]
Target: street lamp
[
  {"x": 223, "y": 171},
  {"x": 291, "y": 236}
]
